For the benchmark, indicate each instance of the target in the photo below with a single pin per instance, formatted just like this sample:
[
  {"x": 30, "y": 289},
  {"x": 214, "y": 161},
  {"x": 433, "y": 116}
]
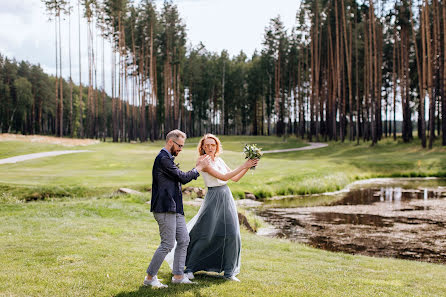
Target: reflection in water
[
  {"x": 393, "y": 195},
  {"x": 401, "y": 220}
]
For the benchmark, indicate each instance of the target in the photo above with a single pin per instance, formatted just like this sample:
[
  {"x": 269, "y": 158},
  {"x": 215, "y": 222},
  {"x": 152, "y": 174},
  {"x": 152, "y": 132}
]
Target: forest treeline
[{"x": 347, "y": 70}]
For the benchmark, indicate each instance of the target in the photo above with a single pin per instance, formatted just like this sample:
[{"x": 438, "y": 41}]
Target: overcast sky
[{"x": 234, "y": 25}]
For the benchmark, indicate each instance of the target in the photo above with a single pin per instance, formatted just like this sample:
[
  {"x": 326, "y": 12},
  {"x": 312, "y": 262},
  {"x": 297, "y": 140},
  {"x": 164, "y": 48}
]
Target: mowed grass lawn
[
  {"x": 113, "y": 165},
  {"x": 17, "y": 148},
  {"x": 101, "y": 247},
  {"x": 84, "y": 241}
]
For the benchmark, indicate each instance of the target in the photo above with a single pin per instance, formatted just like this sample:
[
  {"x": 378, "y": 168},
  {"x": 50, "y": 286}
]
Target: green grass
[
  {"x": 17, "y": 148},
  {"x": 113, "y": 165},
  {"x": 101, "y": 247},
  {"x": 81, "y": 239}
]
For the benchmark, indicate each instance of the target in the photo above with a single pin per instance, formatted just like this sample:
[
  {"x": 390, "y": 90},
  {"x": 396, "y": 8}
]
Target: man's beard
[{"x": 173, "y": 152}]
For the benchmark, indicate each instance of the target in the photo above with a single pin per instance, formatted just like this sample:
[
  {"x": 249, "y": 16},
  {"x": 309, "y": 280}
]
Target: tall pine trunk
[
  {"x": 422, "y": 128},
  {"x": 443, "y": 94},
  {"x": 81, "y": 103},
  {"x": 429, "y": 76},
  {"x": 70, "y": 130},
  {"x": 60, "y": 81}
]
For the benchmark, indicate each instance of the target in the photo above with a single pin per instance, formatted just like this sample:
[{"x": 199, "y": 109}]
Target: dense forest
[{"x": 347, "y": 70}]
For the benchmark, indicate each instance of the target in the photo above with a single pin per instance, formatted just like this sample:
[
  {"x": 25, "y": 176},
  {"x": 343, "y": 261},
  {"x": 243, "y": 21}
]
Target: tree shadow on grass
[{"x": 202, "y": 280}]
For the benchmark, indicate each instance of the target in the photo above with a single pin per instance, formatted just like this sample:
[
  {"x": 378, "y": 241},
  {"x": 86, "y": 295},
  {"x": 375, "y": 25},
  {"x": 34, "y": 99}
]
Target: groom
[{"x": 167, "y": 208}]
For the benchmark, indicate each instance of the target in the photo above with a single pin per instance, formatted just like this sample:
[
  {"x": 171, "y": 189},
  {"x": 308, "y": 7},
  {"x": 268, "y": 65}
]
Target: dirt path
[
  {"x": 22, "y": 158},
  {"x": 312, "y": 146}
]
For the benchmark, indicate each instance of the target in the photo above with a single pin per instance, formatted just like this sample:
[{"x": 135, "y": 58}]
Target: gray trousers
[{"x": 172, "y": 227}]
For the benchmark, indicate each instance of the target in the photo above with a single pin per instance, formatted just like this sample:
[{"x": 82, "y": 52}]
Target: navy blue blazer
[{"x": 166, "y": 184}]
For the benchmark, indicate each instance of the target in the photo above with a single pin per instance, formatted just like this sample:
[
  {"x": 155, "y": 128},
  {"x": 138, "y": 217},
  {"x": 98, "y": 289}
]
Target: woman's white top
[{"x": 218, "y": 165}]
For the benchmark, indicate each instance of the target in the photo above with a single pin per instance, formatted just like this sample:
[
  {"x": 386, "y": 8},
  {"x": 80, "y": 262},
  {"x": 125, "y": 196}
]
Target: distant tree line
[
  {"x": 340, "y": 73},
  {"x": 28, "y": 102}
]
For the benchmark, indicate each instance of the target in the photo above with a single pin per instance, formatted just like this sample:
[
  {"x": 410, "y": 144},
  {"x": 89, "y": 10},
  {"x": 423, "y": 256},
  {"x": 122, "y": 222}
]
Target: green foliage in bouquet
[{"x": 252, "y": 152}]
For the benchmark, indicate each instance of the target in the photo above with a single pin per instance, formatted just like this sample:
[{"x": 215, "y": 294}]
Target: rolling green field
[
  {"x": 80, "y": 239},
  {"x": 113, "y": 165}
]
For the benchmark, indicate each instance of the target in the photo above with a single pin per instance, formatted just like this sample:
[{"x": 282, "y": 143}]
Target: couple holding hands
[{"x": 211, "y": 240}]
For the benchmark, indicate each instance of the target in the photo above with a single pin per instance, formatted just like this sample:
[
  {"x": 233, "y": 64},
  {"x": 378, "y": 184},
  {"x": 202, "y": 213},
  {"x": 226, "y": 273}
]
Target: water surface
[{"x": 401, "y": 218}]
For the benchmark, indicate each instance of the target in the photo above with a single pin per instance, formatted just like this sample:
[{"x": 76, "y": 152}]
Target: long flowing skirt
[{"x": 215, "y": 243}]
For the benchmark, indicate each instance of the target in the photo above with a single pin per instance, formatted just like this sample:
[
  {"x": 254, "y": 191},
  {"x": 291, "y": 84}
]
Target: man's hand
[{"x": 203, "y": 162}]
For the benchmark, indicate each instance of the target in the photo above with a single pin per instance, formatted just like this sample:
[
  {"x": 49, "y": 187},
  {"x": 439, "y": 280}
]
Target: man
[{"x": 167, "y": 208}]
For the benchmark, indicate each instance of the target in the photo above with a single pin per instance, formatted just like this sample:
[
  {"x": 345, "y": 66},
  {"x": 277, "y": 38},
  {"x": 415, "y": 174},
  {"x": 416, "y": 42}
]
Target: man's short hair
[{"x": 175, "y": 134}]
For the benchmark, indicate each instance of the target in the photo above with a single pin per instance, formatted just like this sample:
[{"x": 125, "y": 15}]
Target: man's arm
[{"x": 169, "y": 167}]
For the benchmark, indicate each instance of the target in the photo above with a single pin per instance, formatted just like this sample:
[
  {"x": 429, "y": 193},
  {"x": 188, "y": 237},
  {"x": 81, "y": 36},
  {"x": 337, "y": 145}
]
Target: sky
[{"x": 233, "y": 25}]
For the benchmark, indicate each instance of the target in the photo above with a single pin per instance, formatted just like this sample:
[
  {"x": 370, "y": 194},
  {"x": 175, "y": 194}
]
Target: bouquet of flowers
[{"x": 252, "y": 152}]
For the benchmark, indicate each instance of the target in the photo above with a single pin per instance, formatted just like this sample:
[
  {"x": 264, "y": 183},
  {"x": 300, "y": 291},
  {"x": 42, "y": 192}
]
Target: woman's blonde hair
[{"x": 200, "y": 149}]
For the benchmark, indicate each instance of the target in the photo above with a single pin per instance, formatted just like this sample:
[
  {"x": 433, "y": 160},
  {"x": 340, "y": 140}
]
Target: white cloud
[
  {"x": 22, "y": 8},
  {"x": 233, "y": 24},
  {"x": 27, "y": 33}
]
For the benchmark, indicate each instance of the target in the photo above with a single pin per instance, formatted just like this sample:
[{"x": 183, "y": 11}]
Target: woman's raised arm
[{"x": 231, "y": 174}]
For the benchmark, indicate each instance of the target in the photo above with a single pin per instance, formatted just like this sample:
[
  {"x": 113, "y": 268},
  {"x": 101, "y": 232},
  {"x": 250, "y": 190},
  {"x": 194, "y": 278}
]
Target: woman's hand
[
  {"x": 201, "y": 158},
  {"x": 202, "y": 162},
  {"x": 251, "y": 163}
]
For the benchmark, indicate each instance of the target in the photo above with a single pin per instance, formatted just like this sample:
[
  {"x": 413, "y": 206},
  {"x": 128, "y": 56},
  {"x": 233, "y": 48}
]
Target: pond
[{"x": 400, "y": 218}]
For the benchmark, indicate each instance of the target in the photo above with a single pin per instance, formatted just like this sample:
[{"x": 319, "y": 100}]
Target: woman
[{"x": 215, "y": 242}]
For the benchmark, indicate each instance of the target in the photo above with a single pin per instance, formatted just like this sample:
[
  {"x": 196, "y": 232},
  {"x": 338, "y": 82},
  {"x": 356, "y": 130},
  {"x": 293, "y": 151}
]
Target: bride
[{"x": 215, "y": 242}]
